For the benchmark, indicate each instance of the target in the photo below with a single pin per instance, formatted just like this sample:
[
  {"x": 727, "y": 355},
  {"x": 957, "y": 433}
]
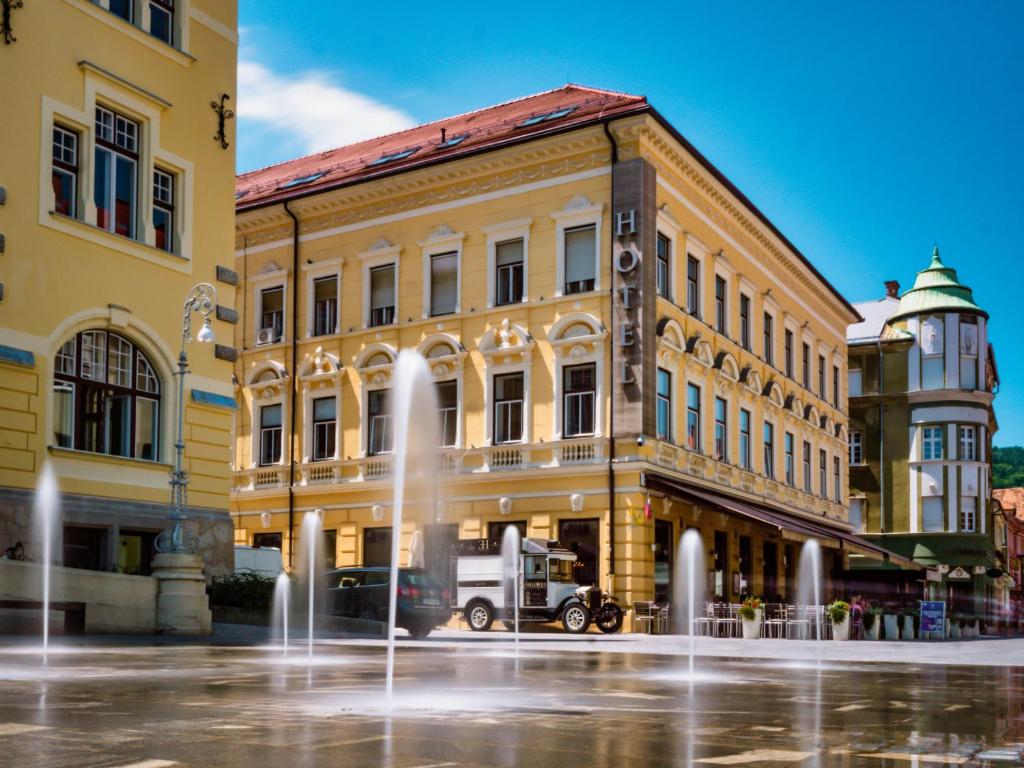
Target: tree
[{"x": 1008, "y": 467}]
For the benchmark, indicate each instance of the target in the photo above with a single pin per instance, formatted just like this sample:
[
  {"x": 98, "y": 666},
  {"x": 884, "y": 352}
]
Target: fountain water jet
[
  {"x": 510, "y": 550},
  {"x": 416, "y": 467},
  {"x": 808, "y": 579},
  {"x": 312, "y": 535},
  {"x": 282, "y": 595},
  {"x": 46, "y": 511},
  {"x": 688, "y": 586}
]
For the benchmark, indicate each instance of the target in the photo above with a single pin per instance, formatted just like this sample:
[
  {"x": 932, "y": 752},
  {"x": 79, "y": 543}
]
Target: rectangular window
[
  {"x": 509, "y": 267},
  {"x": 65, "y": 171},
  {"x": 270, "y": 434},
  {"x": 806, "y": 367},
  {"x": 325, "y": 428},
  {"x": 448, "y": 410},
  {"x": 931, "y": 444},
  {"x": 693, "y": 417},
  {"x": 807, "y": 467},
  {"x": 857, "y": 515},
  {"x": 835, "y": 386},
  {"x": 693, "y": 286},
  {"x": 664, "y": 273},
  {"x": 790, "y": 468},
  {"x": 856, "y": 448},
  {"x": 163, "y": 210},
  {"x": 745, "y": 322},
  {"x": 769, "y": 450},
  {"x": 721, "y": 305},
  {"x": 789, "y": 353},
  {"x": 769, "y": 339},
  {"x": 932, "y": 341},
  {"x": 64, "y": 414},
  {"x": 382, "y": 295},
  {"x": 854, "y": 382},
  {"x": 378, "y": 416},
  {"x": 968, "y": 443},
  {"x": 837, "y": 474},
  {"x": 114, "y": 191},
  {"x": 161, "y": 20},
  {"x": 123, "y": 8},
  {"x": 968, "y": 513},
  {"x": 325, "y": 305},
  {"x": 272, "y": 313},
  {"x": 721, "y": 430},
  {"x": 744, "y": 438},
  {"x": 579, "y": 393},
  {"x": 823, "y": 473},
  {"x": 508, "y": 408},
  {"x": 822, "y": 392},
  {"x": 580, "y": 247},
  {"x": 933, "y": 516},
  {"x": 444, "y": 283},
  {"x": 664, "y": 405}
]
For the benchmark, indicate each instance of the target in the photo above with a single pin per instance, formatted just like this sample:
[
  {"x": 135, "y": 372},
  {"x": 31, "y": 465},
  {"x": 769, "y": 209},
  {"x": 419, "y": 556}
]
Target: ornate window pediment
[
  {"x": 671, "y": 340},
  {"x": 795, "y": 406},
  {"x": 506, "y": 343},
  {"x": 812, "y": 415},
  {"x": 727, "y": 364},
  {"x": 842, "y": 433},
  {"x": 319, "y": 368},
  {"x": 751, "y": 379},
  {"x": 828, "y": 424},
  {"x": 376, "y": 362},
  {"x": 577, "y": 335},
  {"x": 266, "y": 379},
  {"x": 701, "y": 351},
  {"x": 773, "y": 392},
  {"x": 443, "y": 352}
]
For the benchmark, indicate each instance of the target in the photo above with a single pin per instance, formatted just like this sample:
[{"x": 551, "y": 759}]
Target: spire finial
[{"x": 936, "y": 261}]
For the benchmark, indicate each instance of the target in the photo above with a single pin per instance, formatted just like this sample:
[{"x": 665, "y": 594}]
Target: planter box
[
  {"x": 751, "y": 629},
  {"x": 892, "y": 630},
  {"x": 841, "y": 631},
  {"x": 954, "y": 631},
  {"x": 874, "y": 633},
  {"x": 908, "y": 627}
]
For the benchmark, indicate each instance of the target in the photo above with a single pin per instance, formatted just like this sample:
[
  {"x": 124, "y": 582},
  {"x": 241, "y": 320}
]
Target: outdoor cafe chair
[
  {"x": 702, "y": 624},
  {"x": 797, "y": 619},
  {"x": 775, "y": 620},
  {"x": 643, "y": 617}
]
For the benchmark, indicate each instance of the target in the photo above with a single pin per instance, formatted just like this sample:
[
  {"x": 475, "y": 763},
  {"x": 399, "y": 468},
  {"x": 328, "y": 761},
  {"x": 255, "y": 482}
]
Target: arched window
[{"x": 106, "y": 397}]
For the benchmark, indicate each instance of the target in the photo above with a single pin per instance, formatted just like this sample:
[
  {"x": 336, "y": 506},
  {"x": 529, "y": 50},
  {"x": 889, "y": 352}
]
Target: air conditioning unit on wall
[{"x": 265, "y": 336}]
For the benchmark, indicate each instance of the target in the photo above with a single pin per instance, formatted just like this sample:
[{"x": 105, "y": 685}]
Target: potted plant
[
  {"x": 750, "y": 618},
  {"x": 872, "y": 623},
  {"x": 838, "y": 614},
  {"x": 908, "y": 625}
]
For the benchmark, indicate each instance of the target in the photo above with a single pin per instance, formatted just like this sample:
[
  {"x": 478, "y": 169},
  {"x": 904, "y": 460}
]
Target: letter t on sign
[{"x": 625, "y": 222}]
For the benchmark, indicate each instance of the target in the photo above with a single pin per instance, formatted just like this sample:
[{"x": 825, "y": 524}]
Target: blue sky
[{"x": 866, "y": 131}]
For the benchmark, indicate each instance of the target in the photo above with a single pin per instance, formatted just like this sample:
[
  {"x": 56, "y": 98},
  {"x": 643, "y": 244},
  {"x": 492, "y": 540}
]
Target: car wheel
[
  {"x": 576, "y": 618},
  {"x": 609, "y": 619},
  {"x": 479, "y": 616},
  {"x": 420, "y": 632}
]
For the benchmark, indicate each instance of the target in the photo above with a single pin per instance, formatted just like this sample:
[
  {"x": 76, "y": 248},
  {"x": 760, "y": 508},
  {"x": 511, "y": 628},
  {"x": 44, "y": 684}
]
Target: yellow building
[
  {"x": 606, "y": 316},
  {"x": 115, "y": 201}
]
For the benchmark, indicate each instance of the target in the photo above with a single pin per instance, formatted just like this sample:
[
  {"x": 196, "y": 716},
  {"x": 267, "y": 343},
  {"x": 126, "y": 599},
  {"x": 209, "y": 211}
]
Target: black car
[{"x": 362, "y": 593}]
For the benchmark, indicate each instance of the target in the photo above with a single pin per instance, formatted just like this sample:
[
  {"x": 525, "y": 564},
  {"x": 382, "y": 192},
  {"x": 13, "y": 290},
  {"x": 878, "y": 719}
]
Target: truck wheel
[
  {"x": 576, "y": 618},
  {"x": 479, "y": 615},
  {"x": 609, "y": 619}
]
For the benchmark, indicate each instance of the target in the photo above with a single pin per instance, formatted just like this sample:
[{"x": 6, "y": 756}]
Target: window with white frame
[
  {"x": 123, "y": 8},
  {"x": 271, "y": 314},
  {"x": 789, "y": 353},
  {"x": 837, "y": 479},
  {"x": 745, "y": 321},
  {"x": 807, "y": 471},
  {"x": 65, "y": 171},
  {"x": 790, "y": 460},
  {"x": 163, "y": 210},
  {"x": 325, "y": 428},
  {"x": 161, "y": 20},
  {"x": 968, "y": 514},
  {"x": 823, "y": 473},
  {"x": 721, "y": 305},
  {"x": 806, "y": 366},
  {"x": 382, "y": 295},
  {"x": 932, "y": 514},
  {"x": 968, "y": 443},
  {"x": 378, "y": 419},
  {"x": 115, "y": 191},
  {"x": 769, "y": 338},
  {"x": 509, "y": 272},
  {"x": 931, "y": 443},
  {"x": 664, "y": 406},
  {"x": 768, "y": 441},
  {"x": 968, "y": 352},
  {"x": 444, "y": 283},
  {"x": 580, "y": 259},
  {"x": 508, "y": 408},
  {"x": 854, "y": 382},
  {"x": 693, "y": 424},
  {"x": 857, "y": 518},
  {"x": 835, "y": 386},
  {"x": 448, "y": 412},
  {"x": 664, "y": 273},
  {"x": 745, "y": 439},
  {"x": 721, "y": 429},
  {"x": 856, "y": 448},
  {"x": 933, "y": 349},
  {"x": 822, "y": 392},
  {"x": 579, "y": 390},
  {"x": 693, "y": 286},
  {"x": 325, "y": 305},
  {"x": 270, "y": 434}
]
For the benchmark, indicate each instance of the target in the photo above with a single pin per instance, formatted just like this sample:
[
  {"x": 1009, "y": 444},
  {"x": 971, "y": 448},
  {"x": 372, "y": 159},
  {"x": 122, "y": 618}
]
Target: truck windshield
[{"x": 560, "y": 570}]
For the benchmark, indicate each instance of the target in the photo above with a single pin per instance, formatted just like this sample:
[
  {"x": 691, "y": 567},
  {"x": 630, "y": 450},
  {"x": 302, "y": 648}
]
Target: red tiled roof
[
  {"x": 483, "y": 129},
  {"x": 1011, "y": 500}
]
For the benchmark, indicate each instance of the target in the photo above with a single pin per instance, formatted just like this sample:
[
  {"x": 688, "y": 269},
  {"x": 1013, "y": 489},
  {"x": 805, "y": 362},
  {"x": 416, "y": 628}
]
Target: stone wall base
[{"x": 182, "y": 605}]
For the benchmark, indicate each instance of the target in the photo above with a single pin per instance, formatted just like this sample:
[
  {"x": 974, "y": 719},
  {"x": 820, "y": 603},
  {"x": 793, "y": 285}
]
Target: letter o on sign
[{"x": 626, "y": 261}]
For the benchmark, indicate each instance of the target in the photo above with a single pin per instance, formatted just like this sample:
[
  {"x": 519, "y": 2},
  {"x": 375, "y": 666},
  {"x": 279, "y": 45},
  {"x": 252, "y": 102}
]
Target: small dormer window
[
  {"x": 558, "y": 113},
  {"x": 393, "y": 157},
  {"x": 309, "y": 179}
]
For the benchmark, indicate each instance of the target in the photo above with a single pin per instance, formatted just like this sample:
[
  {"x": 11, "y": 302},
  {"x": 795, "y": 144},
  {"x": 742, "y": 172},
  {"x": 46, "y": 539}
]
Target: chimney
[{"x": 892, "y": 289}]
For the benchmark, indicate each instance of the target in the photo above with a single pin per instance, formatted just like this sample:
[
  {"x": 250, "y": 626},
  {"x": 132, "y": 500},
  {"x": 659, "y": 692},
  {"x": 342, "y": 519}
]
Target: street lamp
[{"x": 201, "y": 299}]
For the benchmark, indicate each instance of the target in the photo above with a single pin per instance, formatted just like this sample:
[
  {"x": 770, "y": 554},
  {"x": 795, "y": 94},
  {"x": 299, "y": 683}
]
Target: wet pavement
[{"x": 484, "y": 705}]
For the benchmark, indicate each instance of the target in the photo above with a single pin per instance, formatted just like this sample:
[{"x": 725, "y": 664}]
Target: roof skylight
[
  {"x": 546, "y": 116},
  {"x": 301, "y": 180},
  {"x": 240, "y": 195},
  {"x": 393, "y": 157},
  {"x": 454, "y": 140}
]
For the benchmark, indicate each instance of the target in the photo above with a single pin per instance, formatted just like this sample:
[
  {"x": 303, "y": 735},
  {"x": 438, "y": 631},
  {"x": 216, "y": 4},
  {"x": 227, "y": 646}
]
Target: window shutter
[{"x": 579, "y": 254}]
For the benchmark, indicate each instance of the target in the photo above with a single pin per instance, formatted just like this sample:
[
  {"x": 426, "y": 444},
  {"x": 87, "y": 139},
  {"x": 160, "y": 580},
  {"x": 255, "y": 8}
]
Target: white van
[{"x": 264, "y": 561}]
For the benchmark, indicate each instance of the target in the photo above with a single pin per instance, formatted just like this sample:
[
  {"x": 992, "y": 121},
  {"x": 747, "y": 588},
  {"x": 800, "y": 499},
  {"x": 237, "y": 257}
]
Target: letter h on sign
[{"x": 625, "y": 222}]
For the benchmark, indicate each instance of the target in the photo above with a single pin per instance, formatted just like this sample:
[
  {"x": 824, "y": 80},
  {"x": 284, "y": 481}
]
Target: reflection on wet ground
[{"x": 149, "y": 707}]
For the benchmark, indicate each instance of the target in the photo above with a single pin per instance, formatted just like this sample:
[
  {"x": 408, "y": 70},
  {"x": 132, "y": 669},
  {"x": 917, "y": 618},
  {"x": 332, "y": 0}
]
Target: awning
[
  {"x": 788, "y": 526},
  {"x": 932, "y": 549}
]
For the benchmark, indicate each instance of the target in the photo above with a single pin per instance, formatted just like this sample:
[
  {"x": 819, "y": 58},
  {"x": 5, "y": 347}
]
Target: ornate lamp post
[{"x": 201, "y": 299}]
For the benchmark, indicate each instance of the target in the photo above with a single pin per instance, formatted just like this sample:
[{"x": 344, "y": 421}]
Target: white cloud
[{"x": 312, "y": 109}]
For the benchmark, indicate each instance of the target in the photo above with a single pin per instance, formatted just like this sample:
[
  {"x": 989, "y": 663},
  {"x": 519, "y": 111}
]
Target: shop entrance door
[
  {"x": 581, "y": 536},
  {"x": 664, "y": 544}
]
